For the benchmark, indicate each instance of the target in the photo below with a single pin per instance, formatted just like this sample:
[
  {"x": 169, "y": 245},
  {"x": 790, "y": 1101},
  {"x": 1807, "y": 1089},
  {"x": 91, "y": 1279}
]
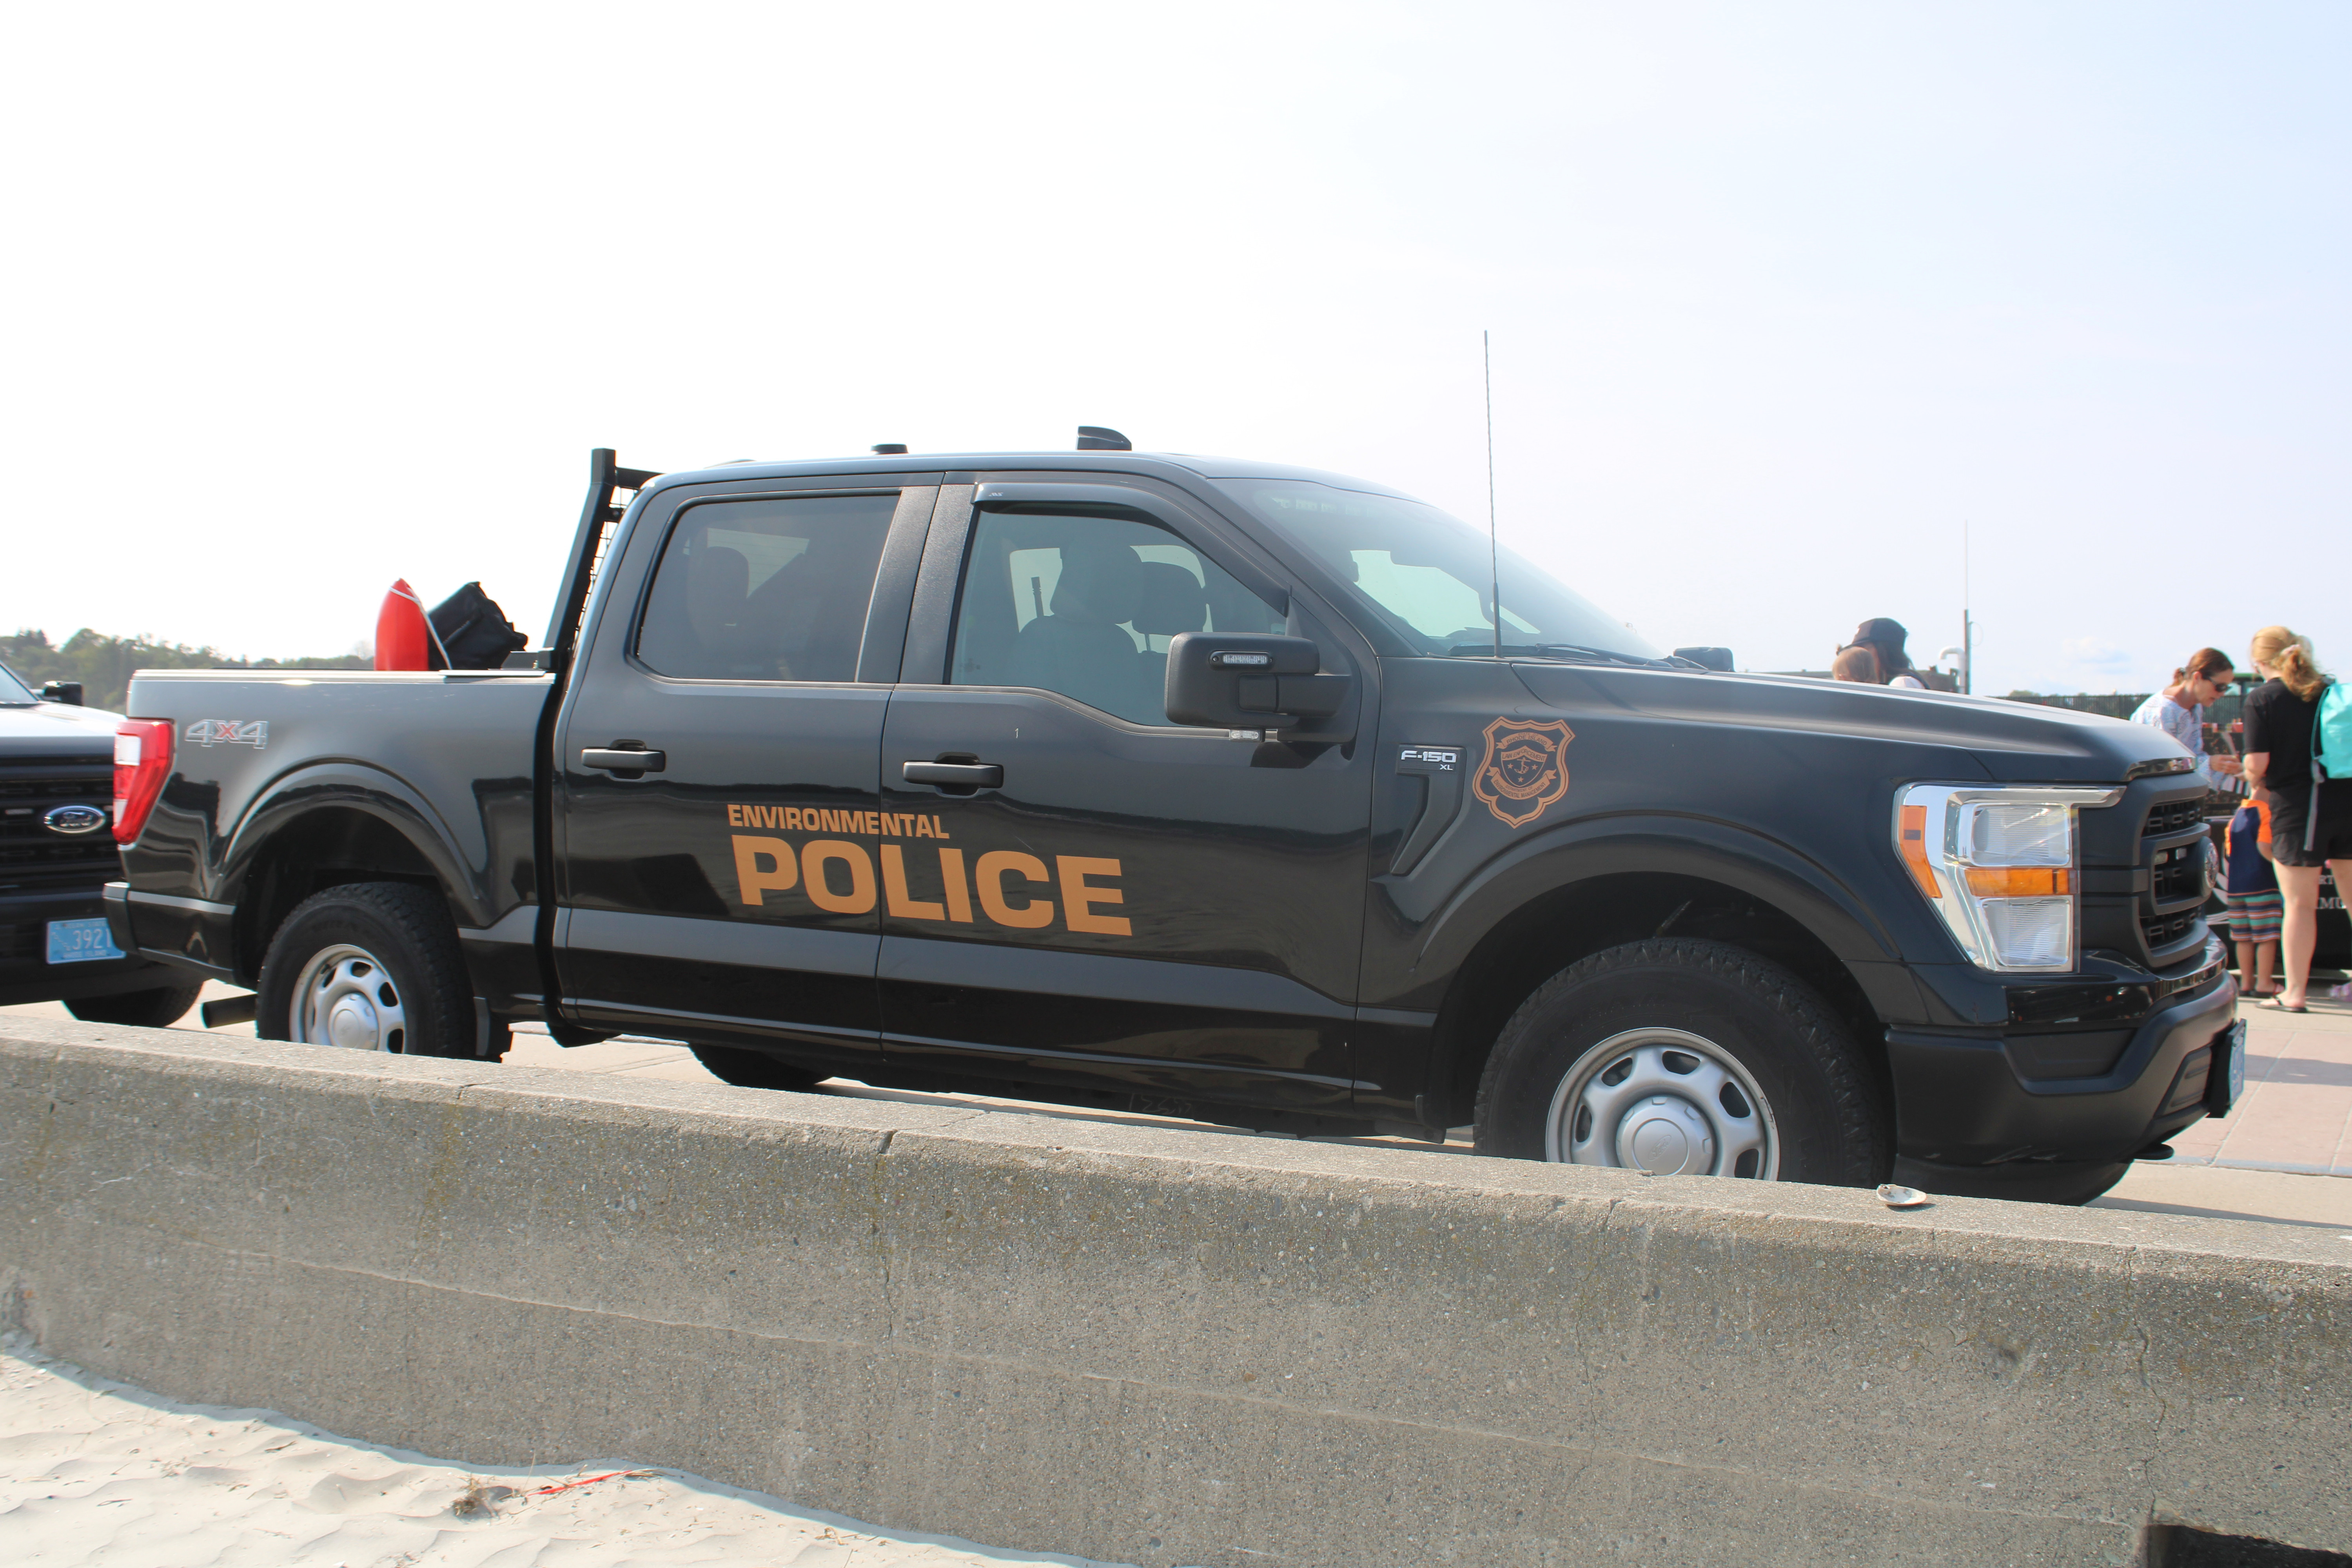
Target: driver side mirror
[{"x": 1246, "y": 680}]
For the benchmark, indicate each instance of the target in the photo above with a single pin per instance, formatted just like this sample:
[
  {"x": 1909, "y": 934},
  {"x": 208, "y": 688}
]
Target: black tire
[
  {"x": 755, "y": 1070},
  {"x": 1826, "y": 1121},
  {"x": 158, "y": 1009},
  {"x": 415, "y": 972}
]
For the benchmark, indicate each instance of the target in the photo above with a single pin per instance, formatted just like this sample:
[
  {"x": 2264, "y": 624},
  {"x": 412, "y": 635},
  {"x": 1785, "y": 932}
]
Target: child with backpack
[
  {"x": 2299, "y": 756},
  {"x": 2251, "y": 890}
]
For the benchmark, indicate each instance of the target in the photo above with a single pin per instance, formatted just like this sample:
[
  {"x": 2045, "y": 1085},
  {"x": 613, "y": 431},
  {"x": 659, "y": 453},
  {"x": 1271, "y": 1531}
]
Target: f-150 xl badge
[{"x": 1523, "y": 772}]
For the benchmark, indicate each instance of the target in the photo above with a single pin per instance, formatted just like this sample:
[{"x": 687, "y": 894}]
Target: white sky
[{"x": 301, "y": 298}]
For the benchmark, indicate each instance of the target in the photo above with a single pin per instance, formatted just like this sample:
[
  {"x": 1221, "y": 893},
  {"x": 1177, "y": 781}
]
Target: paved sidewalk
[{"x": 2297, "y": 1112}]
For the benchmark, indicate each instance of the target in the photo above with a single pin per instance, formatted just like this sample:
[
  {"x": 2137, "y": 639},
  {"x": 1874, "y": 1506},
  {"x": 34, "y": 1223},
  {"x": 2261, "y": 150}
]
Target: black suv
[{"x": 57, "y": 793}]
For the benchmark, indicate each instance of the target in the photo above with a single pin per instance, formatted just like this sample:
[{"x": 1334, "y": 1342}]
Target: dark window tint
[
  {"x": 1087, "y": 606},
  {"x": 766, "y": 590}
]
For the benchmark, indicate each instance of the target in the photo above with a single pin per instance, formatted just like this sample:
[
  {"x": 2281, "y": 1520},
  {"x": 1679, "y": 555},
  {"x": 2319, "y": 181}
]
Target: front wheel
[
  {"x": 1681, "y": 1057},
  {"x": 369, "y": 966}
]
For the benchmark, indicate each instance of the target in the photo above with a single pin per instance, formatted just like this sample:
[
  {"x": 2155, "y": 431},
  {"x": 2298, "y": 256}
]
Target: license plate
[
  {"x": 81, "y": 941},
  {"x": 2227, "y": 1083}
]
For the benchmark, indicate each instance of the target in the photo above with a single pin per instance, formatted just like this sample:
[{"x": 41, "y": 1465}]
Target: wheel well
[
  {"x": 318, "y": 849},
  {"x": 1548, "y": 934}
]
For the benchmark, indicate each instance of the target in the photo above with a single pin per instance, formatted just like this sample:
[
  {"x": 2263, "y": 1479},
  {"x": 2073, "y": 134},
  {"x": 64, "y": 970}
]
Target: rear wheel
[
  {"x": 755, "y": 1070},
  {"x": 158, "y": 1009},
  {"x": 369, "y": 966},
  {"x": 1689, "y": 1057}
]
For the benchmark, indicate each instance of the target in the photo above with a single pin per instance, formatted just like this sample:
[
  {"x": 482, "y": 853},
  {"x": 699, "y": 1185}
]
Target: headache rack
[{"x": 606, "y": 479}]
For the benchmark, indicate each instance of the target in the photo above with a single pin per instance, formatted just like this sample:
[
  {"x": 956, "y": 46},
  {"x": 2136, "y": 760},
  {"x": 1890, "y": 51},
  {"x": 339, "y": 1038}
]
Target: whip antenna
[{"x": 1494, "y": 548}]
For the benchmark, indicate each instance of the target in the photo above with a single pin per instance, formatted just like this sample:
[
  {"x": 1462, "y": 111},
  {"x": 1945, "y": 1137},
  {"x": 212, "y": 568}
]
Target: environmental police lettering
[
  {"x": 818, "y": 854},
  {"x": 838, "y": 876},
  {"x": 779, "y": 875},
  {"x": 994, "y": 868},
  {"x": 825, "y": 819}
]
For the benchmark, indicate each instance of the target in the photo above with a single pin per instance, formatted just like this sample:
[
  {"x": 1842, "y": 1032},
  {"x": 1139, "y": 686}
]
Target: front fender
[{"x": 1658, "y": 844}]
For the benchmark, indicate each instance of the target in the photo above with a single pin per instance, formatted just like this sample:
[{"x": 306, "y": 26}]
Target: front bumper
[
  {"x": 25, "y": 973},
  {"x": 2064, "y": 1082}
]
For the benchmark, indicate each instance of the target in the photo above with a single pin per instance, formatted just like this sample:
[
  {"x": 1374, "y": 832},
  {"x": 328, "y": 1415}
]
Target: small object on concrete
[{"x": 1897, "y": 1197}]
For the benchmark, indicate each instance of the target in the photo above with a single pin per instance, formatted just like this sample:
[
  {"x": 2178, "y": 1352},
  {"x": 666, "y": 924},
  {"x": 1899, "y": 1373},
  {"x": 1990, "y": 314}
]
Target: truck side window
[
  {"x": 1087, "y": 606},
  {"x": 772, "y": 589}
]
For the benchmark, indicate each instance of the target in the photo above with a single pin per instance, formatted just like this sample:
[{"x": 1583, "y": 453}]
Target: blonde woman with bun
[{"x": 2277, "y": 762}]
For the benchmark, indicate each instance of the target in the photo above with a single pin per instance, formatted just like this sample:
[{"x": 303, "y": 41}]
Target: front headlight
[{"x": 1998, "y": 865}]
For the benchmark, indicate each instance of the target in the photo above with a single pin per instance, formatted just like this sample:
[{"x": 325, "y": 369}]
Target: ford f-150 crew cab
[{"x": 1213, "y": 786}]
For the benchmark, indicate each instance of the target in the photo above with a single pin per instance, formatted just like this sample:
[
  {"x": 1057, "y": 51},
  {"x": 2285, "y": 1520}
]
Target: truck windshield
[
  {"x": 13, "y": 693},
  {"x": 1428, "y": 575}
]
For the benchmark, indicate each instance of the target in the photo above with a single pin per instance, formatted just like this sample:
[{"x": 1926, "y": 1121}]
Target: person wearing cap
[
  {"x": 1885, "y": 638},
  {"x": 2180, "y": 711}
]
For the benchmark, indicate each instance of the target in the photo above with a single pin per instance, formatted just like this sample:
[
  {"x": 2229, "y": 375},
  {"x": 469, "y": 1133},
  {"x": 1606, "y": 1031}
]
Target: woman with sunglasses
[{"x": 2180, "y": 711}]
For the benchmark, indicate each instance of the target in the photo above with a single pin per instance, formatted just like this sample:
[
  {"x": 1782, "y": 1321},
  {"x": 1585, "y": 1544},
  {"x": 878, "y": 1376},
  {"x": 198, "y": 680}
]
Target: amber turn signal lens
[
  {"x": 2019, "y": 881},
  {"x": 1913, "y": 831}
]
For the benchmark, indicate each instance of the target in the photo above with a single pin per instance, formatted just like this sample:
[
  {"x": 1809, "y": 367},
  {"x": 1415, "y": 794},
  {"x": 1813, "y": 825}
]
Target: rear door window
[
  {"x": 769, "y": 589},
  {"x": 1087, "y": 606}
]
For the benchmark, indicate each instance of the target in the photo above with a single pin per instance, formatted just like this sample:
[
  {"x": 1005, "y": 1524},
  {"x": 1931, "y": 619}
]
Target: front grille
[
  {"x": 29, "y": 791},
  {"x": 2178, "y": 872},
  {"x": 2164, "y": 931},
  {"x": 2176, "y": 853}
]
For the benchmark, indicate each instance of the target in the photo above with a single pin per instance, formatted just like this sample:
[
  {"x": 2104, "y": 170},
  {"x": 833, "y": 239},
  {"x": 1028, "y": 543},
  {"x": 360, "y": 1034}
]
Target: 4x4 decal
[
  {"x": 254, "y": 732},
  {"x": 1523, "y": 773}
]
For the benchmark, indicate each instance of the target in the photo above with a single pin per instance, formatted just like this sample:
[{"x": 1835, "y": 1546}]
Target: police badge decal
[{"x": 1523, "y": 772}]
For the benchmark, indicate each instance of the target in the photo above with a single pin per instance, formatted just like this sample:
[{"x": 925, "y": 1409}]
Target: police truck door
[
  {"x": 1077, "y": 891},
  {"x": 726, "y": 892}
]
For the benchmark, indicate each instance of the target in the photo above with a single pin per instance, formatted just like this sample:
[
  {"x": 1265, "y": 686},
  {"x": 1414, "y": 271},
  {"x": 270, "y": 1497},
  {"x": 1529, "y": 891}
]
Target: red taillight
[{"x": 142, "y": 760}]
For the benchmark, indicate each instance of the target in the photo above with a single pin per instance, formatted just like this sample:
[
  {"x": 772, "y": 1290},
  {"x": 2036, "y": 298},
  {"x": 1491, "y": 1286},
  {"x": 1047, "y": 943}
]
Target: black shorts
[{"x": 2291, "y": 818}]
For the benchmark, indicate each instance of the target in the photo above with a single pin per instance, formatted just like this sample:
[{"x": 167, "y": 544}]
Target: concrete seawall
[{"x": 1154, "y": 1346}]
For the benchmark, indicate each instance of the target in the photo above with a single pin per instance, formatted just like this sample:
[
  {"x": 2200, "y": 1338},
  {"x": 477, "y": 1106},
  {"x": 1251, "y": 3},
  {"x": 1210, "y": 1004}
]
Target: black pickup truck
[{"x": 1212, "y": 787}]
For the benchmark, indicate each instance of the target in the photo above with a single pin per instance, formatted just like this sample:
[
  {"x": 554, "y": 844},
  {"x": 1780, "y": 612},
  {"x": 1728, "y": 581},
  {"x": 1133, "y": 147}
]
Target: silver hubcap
[
  {"x": 1667, "y": 1101},
  {"x": 344, "y": 998}
]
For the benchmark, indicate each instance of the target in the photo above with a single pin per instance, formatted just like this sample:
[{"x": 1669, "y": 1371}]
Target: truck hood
[
  {"x": 56, "y": 730},
  {"x": 2013, "y": 743}
]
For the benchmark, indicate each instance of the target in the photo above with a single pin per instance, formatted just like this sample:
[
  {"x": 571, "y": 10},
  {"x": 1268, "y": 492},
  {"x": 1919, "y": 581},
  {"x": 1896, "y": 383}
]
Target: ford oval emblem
[{"x": 74, "y": 819}]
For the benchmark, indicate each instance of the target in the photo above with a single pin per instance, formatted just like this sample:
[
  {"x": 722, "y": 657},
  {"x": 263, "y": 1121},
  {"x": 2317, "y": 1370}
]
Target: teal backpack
[{"x": 2331, "y": 749}]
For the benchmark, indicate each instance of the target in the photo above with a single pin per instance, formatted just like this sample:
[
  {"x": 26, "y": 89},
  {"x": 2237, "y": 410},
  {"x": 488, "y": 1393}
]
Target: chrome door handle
[
  {"x": 631, "y": 764},
  {"x": 969, "y": 776}
]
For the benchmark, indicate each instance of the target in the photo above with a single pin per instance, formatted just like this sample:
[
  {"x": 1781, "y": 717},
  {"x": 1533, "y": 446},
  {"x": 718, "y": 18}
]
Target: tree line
[{"x": 103, "y": 664}]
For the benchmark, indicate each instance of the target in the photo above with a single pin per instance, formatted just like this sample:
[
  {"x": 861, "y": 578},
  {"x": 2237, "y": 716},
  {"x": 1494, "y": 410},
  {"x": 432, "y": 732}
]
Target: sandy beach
[{"x": 94, "y": 1472}]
